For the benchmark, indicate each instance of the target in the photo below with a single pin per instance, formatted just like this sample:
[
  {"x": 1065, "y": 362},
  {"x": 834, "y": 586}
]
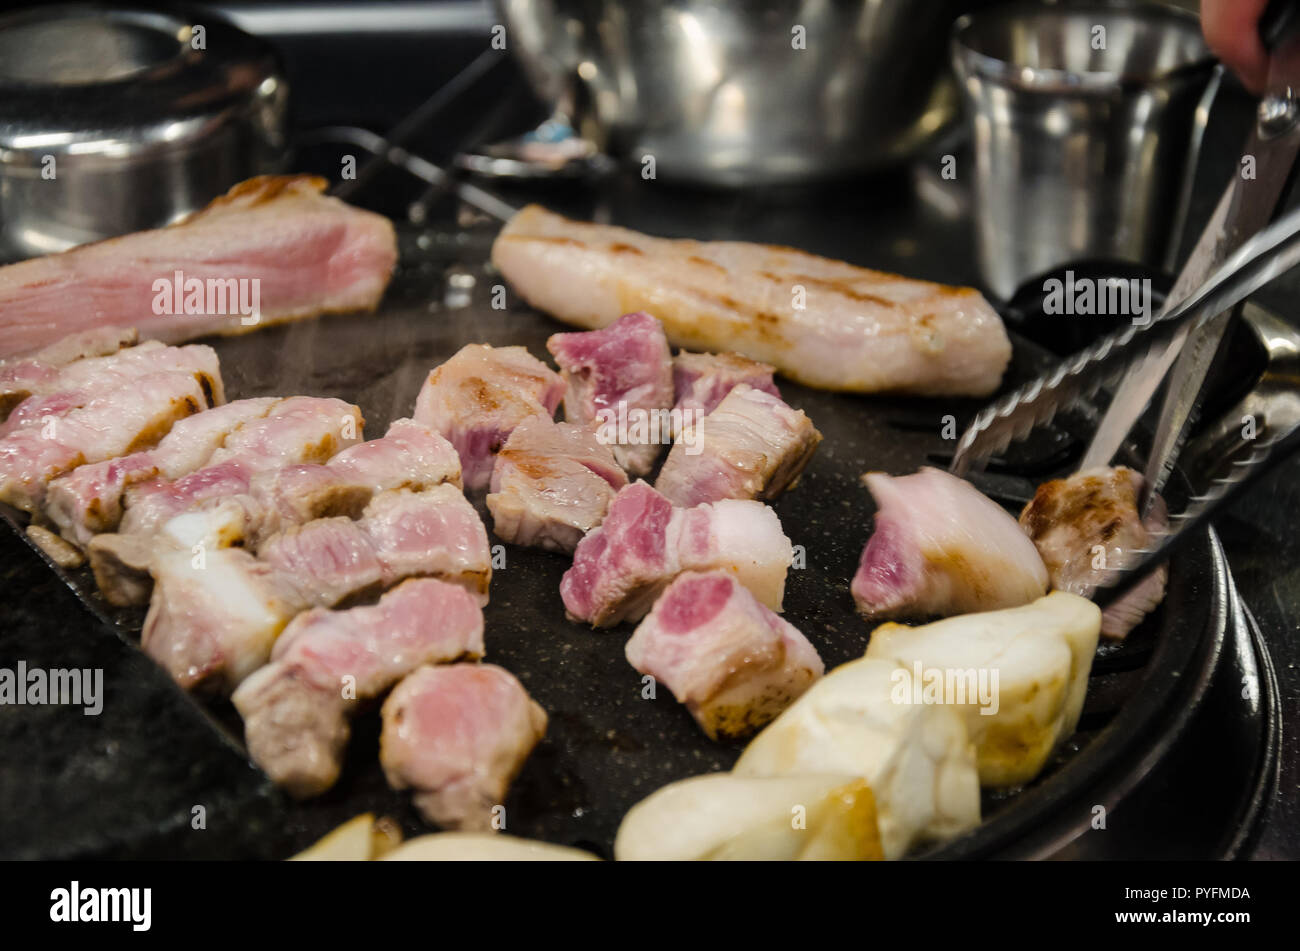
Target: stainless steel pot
[
  {"x": 743, "y": 92},
  {"x": 117, "y": 120}
]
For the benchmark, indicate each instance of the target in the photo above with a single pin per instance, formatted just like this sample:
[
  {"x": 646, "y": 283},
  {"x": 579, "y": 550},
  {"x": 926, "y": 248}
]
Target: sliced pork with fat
[
  {"x": 1088, "y": 524},
  {"x": 702, "y": 380},
  {"x": 619, "y": 378},
  {"x": 820, "y": 322},
  {"x": 733, "y": 662},
  {"x": 752, "y": 446},
  {"x": 941, "y": 547},
  {"x": 620, "y": 568},
  {"x": 39, "y": 373},
  {"x": 458, "y": 736},
  {"x": 309, "y": 253},
  {"x": 325, "y": 663},
  {"x": 88, "y": 500},
  {"x": 131, "y": 417},
  {"x": 402, "y": 534},
  {"x": 477, "y": 398},
  {"x": 552, "y": 483}
]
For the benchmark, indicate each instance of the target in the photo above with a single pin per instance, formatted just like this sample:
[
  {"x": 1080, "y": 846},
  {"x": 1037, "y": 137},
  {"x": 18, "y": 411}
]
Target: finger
[{"x": 1232, "y": 31}]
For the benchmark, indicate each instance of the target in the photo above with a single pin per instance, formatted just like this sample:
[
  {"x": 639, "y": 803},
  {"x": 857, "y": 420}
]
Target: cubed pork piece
[
  {"x": 22, "y": 377},
  {"x": 458, "y": 736},
  {"x": 752, "y": 446},
  {"x": 941, "y": 547},
  {"x": 83, "y": 381},
  {"x": 88, "y": 500},
  {"x": 702, "y": 380},
  {"x": 132, "y": 417},
  {"x": 620, "y": 379},
  {"x": 325, "y": 563},
  {"x": 296, "y": 709},
  {"x": 552, "y": 484},
  {"x": 477, "y": 398},
  {"x": 1088, "y": 525},
  {"x": 733, "y": 662},
  {"x": 620, "y": 568}
]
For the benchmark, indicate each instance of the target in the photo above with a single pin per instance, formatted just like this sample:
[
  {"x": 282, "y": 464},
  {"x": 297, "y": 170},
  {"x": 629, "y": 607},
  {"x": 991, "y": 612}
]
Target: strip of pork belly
[
  {"x": 941, "y": 547},
  {"x": 297, "y": 429},
  {"x": 39, "y": 373},
  {"x": 858, "y": 330},
  {"x": 701, "y": 380},
  {"x": 132, "y": 417},
  {"x": 1069, "y": 519},
  {"x": 752, "y": 446},
  {"x": 312, "y": 254},
  {"x": 620, "y": 568},
  {"x": 479, "y": 396},
  {"x": 85, "y": 380},
  {"x": 88, "y": 500},
  {"x": 325, "y": 563},
  {"x": 296, "y": 708},
  {"x": 552, "y": 483},
  {"x": 733, "y": 662},
  {"x": 458, "y": 736},
  {"x": 622, "y": 371}
]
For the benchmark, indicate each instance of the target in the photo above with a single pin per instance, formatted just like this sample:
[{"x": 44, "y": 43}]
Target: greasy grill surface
[{"x": 606, "y": 747}]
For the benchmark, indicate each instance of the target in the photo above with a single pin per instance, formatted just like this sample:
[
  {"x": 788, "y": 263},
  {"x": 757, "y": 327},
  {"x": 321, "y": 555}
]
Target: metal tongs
[{"x": 1232, "y": 259}]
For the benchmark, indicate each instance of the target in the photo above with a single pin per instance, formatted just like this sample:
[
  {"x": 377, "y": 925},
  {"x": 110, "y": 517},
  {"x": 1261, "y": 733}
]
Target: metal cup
[{"x": 1087, "y": 119}]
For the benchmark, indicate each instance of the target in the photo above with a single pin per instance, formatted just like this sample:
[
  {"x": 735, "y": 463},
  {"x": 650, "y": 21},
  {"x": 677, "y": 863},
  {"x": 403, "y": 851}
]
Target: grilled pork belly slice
[
  {"x": 1088, "y": 523},
  {"x": 723, "y": 817},
  {"x": 1019, "y": 676},
  {"x": 731, "y": 660},
  {"x": 860, "y": 720},
  {"x": 857, "y": 330},
  {"x": 39, "y": 373},
  {"x": 477, "y": 398},
  {"x": 552, "y": 483},
  {"x": 620, "y": 373},
  {"x": 402, "y": 534},
  {"x": 941, "y": 547},
  {"x": 311, "y": 254},
  {"x": 132, "y": 417},
  {"x": 296, "y": 708},
  {"x": 752, "y": 446},
  {"x": 458, "y": 736},
  {"x": 701, "y": 380},
  {"x": 83, "y": 381},
  {"x": 88, "y": 500},
  {"x": 297, "y": 429},
  {"x": 620, "y": 567}
]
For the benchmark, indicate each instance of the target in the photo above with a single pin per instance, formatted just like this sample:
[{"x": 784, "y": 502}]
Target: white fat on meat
[
  {"x": 702, "y": 380},
  {"x": 132, "y": 417},
  {"x": 941, "y": 547},
  {"x": 552, "y": 483},
  {"x": 477, "y": 397},
  {"x": 1019, "y": 676},
  {"x": 752, "y": 446},
  {"x": 89, "y": 499},
  {"x": 859, "y": 720},
  {"x": 620, "y": 567},
  {"x": 732, "y": 661},
  {"x": 401, "y": 534},
  {"x": 618, "y": 377},
  {"x": 296, "y": 709},
  {"x": 458, "y": 736}
]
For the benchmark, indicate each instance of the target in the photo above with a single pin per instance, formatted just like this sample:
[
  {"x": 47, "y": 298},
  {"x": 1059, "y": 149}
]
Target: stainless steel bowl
[
  {"x": 113, "y": 120},
  {"x": 744, "y": 92}
]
